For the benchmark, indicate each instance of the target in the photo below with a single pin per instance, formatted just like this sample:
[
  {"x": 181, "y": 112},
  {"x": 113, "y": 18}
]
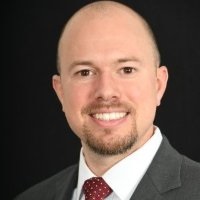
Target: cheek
[
  {"x": 141, "y": 92},
  {"x": 75, "y": 98},
  {"x": 71, "y": 106},
  {"x": 143, "y": 97}
]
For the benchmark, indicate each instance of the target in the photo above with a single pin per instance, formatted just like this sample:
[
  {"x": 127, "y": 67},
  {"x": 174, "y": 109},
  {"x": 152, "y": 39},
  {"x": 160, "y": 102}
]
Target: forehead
[{"x": 105, "y": 32}]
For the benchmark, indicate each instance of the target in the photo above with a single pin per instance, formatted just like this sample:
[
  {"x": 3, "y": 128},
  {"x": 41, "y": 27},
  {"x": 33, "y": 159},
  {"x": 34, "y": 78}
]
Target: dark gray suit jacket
[{"x": 171, "y": 176}]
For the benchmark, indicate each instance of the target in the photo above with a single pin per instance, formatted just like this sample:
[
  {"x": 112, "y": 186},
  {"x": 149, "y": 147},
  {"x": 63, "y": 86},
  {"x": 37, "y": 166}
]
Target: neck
[{"x": 99, "y": 164}]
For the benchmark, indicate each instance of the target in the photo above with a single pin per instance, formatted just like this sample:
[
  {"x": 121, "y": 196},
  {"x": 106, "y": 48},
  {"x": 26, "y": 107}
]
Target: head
[{"x": 110, "y": 82}]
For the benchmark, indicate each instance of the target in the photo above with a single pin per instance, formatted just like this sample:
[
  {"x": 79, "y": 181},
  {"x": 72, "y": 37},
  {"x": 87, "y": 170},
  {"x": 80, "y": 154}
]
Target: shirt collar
[
  {"x": 84, "y": 174},
  {"x": 124, "y": 177}
]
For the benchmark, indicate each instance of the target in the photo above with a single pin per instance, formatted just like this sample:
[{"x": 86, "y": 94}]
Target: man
[{"x": 109, "y": 84}]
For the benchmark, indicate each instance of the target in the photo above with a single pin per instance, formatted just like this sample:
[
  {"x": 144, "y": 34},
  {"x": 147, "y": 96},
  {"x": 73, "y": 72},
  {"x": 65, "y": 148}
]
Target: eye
[
  {"x": 85, "y": 72},
  {"x": 127, "y": 70}
]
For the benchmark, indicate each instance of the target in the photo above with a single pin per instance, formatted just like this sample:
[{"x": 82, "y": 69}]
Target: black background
[{"x": 37, "y": 141}]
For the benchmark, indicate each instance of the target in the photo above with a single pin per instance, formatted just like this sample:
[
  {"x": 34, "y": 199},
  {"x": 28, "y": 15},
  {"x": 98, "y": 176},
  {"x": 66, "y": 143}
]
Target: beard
[{"x": 115, "y": 145}]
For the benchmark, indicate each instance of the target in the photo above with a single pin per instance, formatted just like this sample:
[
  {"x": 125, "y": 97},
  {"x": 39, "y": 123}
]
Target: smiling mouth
[{"x": 109, "y": 116}]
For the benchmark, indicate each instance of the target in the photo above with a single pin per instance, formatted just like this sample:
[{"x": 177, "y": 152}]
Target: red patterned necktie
[{"x": 96, "y": 189}]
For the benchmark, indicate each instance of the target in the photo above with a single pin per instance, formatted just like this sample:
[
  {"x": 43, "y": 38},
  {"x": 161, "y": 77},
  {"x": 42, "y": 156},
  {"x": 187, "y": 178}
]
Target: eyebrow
[
  {"x": 90, "y": 63},
  {"x": 128, "y": 59},
  {"x": 79, "y": 62}
]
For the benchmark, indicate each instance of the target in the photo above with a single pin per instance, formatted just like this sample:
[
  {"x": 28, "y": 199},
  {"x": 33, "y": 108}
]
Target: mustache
[{"x": 96, "y": 106}]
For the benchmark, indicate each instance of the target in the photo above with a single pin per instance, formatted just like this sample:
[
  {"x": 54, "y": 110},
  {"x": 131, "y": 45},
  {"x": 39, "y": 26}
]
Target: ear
[
  {"x": 57, "y": 86},
  {"x": 162, "y": 78}
]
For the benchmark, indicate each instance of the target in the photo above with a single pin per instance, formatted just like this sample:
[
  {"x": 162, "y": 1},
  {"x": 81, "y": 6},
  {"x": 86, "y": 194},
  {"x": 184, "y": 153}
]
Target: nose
[{"x": 107, "y": 88}]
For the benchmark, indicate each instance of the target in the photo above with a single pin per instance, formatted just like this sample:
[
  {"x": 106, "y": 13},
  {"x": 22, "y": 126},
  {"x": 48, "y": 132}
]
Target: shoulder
[
  {"x": 46, "y": 190},
  {"x": 191, "y": 164},
  {"x": 190, "y": 172},
  {"x": 174, "y": 175},
  {"x": 187, "y": 169},
  {"x": 190, "y": 180}
]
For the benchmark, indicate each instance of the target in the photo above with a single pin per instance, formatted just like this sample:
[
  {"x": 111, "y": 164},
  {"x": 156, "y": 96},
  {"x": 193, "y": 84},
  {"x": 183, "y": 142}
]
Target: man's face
[{"x": 109, "y": 85}]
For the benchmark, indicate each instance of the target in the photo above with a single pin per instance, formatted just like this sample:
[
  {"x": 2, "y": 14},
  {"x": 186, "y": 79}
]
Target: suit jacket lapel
[
  {"x": 146, "y": 190},
  {"x": 65, "y": 186},
  {"x": 162, "y": 175}
]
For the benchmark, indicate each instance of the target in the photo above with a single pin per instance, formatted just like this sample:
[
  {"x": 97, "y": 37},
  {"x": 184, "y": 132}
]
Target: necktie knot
[{"x": 96, "y": 189}]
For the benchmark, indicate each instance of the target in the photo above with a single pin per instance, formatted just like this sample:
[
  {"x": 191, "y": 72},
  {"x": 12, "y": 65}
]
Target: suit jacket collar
[{"x": 162, "y": 175}]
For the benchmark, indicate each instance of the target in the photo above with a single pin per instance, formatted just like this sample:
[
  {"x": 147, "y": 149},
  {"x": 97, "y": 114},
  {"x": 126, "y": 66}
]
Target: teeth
[{"x": 109, "y": 116}]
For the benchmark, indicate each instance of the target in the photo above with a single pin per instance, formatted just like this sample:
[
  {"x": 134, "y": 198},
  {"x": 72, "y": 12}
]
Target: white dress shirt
[{"x": 125, "y": 176}]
